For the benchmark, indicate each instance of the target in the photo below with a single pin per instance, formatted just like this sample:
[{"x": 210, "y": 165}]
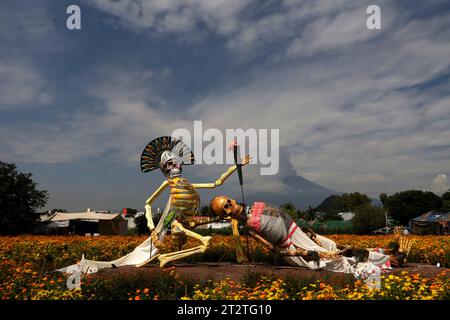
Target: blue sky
[{"x": 358, "y": 110}]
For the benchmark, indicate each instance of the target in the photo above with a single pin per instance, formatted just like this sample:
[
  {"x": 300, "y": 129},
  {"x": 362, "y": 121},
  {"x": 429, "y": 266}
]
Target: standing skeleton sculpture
[{"x": 169, "y": 155}]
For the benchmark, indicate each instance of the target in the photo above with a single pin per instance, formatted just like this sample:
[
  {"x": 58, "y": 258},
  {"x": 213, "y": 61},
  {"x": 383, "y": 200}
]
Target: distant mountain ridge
[
  {"x": 304, "y": 193},
  {"x": 300, "y": 191}
]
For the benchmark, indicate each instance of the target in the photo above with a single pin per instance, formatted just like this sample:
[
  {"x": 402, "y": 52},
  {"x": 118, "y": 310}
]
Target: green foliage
[
  {"x": 210, "y": 231},
  {"x": 171, "y": 285},
  {"x": 446, "y": 196},
  {"x": 446, "y": 206},
  {"x": 207, "y": 212},
  {"x": 333, "y": 227},
  {"x": 344, "y": 202},
  {"x": 307, "y": 215},
  {"x": 331, "y": 216},
  {"x": 446, "y": 201},
  {"x": 367, "y": 219},
  {"x": 406, "y": 205},
  {"x": 384, "y": 199},
  {"x": 290, "y": 209},
  {"x": 251, "y": 278},
  {"x": 19, "y": 198},
  {"x": 327, "y": 205},
  {"x": 29, "y": 263},
  {"x": 141, "y": 224},
  {"x": 350, "y": 201},
  {"x": 119, "y": 286}
]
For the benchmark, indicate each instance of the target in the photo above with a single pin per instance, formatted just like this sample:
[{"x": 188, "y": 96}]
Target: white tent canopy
[
  {"x": 107, "y": 223},
  {"x": 85, "y": 216}
]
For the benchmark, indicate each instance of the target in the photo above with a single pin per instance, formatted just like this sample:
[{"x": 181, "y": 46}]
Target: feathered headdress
[{"x": 151, "y": 156}]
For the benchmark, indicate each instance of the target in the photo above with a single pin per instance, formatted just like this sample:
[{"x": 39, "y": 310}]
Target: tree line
[
  {"x": 20, "y": 198},
  {"x": 400, "y": 207}
]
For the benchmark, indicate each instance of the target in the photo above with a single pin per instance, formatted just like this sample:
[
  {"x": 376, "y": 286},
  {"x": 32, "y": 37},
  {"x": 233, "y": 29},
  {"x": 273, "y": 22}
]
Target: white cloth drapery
[{"x": 140, "y": 255}]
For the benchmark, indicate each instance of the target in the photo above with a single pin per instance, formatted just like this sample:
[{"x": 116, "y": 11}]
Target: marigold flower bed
[{"x": 27, "y": 263}]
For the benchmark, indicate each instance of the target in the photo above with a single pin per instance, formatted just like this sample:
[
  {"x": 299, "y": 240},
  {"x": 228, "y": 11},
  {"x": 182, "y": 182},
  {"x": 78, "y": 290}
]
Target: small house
[
  {"x": 432, "y": 222},
  {"x": 93, "y": 222}
]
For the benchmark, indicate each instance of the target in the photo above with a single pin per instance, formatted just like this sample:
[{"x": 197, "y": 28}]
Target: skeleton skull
[
  {"x": 226, "y": 207},
  {"x": 170, "y": 165}
]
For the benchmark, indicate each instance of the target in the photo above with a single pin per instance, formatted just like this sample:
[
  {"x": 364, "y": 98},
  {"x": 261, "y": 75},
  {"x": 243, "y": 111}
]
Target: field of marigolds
[{"x": 28, "y": 263}]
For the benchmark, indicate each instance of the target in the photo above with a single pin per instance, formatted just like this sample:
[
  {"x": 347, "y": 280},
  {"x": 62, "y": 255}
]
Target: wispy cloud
[
  {"x": 440, "y": 184},
  {"x": 357, "y": 109},
  {"x": 21, "y": 84},
  {"x": 175, "y": 16},
  {"x": 126, "y": 113}
]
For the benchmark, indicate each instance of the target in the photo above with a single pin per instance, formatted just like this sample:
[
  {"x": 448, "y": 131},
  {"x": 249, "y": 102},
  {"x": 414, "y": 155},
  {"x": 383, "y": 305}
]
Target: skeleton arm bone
[
  {"x": 261, "y": 240},
  {"x": 196, "y": 223},
  {"x": 286, "y": 252},
  {"x": 148, "y": 204},
  {"x": 223, "y": 177},
  {"x": 307, "y": 255},
  {"x": 240, "y": 253},
  {"x": 295, "y": 252}
]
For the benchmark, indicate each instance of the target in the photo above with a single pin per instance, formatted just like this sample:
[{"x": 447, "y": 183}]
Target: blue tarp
[
  {"x": 431, "y": 223},
  {"x": 433, "y": 216}
]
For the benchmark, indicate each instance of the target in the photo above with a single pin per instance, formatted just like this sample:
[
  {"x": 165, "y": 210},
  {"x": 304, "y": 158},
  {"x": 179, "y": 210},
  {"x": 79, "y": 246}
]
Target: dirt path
[{"x": 218, "y": 271}]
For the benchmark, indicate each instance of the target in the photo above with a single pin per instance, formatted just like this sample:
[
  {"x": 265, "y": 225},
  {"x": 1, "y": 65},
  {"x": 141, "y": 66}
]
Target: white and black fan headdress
[{"x": 151, "y": 156}]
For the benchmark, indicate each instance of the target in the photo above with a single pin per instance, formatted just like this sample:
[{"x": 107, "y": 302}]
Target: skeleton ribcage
[{"x": 184, "y": 198}]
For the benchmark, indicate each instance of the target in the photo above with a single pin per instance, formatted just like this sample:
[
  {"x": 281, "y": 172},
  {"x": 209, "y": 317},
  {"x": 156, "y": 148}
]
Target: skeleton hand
[
  {"x": 405, "y": 244},
  {"x": 246, "y": 160},
  {"x": 155, "y": 239},
  {"x": 329, "y": 255}
]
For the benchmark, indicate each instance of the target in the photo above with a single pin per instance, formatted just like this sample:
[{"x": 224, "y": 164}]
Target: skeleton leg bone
[
  {"x": 173, "y": 256},
  {"x": 240, "y": 253},
  {"x": 178, "y": 227},
  {"x": 148, "y": 260}
]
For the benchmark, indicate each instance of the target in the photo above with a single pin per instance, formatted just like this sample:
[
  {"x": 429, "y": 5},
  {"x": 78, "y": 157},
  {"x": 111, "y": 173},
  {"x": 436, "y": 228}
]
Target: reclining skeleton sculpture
[{"x": 276, "y": 230}]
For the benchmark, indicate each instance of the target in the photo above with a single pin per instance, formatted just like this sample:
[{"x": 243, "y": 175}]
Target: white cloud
[
  {"x": 249, "y": 26},
  {"x": 348, "y": 125},
  {"x": 332, "y": 32},
  {"x": 176, "y": 16},
  {"x": 440, "y": 184},
  {"x": 25, "y": 26},
  {"x": 26, "y": 31},
  {"x": 126, "y": 116},
  {"x": 348, "y": 103},
  {"x": 21, "y": 84}
]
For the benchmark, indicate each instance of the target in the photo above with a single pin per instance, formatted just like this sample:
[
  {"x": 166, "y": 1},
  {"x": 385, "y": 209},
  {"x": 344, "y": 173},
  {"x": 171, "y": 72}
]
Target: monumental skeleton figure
[
  {"x": 168, "y": 154},
  {"x": 276, "y": 230}
]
